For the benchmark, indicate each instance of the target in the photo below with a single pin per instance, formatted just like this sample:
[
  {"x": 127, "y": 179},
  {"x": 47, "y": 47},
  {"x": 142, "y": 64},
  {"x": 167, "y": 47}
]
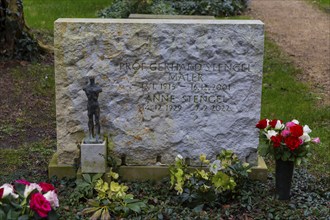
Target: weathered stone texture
[{"x": 169, "y": 86}]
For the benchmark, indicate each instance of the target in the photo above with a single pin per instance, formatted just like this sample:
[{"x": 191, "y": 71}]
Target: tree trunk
[{"x": 15, "y": 39}]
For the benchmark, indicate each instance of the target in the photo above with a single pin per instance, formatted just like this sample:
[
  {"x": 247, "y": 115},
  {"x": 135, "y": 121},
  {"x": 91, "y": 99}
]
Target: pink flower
[
  {"x": 290, "y": 124},
  {"x": 46, "y": 186},
  {"x": 51, "y": 197},
  {"x": 40, "y": 205},
  {"x": 285, "y": 133},
  {"x": 24, "y": 182},
  {"x": 316, "y": 140}
]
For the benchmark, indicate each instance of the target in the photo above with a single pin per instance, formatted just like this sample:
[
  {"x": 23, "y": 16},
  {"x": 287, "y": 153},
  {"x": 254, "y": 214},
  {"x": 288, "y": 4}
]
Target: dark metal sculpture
[{"x": 92, "y": 92}]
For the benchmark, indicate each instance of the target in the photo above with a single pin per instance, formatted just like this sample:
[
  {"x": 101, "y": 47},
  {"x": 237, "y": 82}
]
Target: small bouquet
[
  {"x": 288, "y": 142},
  {"x": 25, "y": 200}
]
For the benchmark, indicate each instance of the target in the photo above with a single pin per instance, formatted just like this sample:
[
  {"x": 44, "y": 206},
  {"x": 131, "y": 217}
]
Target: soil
[
  {"x": 303, "y": 31},
  {"x": 25, "y": 116}
]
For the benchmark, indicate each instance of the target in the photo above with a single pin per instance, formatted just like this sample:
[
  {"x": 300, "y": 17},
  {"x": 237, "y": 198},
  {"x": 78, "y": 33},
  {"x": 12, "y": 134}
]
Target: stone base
[
  {"x": 260, "y": 171},
  {"x": 141, "y": 173},
  {"x": 54, "y": 169},
  {"x": 93, "y": 158}
]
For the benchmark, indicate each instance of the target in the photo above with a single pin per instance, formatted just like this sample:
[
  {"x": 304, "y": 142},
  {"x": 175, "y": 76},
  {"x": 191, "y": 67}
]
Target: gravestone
[{"x": 169, "y": 87}]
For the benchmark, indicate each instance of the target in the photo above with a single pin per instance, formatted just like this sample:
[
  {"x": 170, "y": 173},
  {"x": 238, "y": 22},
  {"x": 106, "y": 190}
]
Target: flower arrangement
[
  {"x": 25, "y": 200},
  {"x": 286, "y": 141}
]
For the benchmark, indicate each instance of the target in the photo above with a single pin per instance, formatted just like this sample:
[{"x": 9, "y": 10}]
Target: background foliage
[{"x": 122, "y": 8}]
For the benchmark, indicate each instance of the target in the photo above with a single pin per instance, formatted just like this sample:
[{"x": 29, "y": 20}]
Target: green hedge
[{"x": 218, "y": 8}]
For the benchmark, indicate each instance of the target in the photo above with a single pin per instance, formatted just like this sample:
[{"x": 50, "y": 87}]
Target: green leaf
[
  {"x": 298, "y": 161},
  {"x": 96, "y": 177},
  {"x": 90, "y": 210},
  {"x": 23, "y": 217},
  {"x": 93, "y": 202},
  {"x": 97, "y": 214},
  {"x": 134, "y": 207},
  {"x": 52, "y": 215},
  {"x": 12, "y": 215},
  {"x": 2, "y": 214},
  {"x": 105, "y": 215},
  {"x": 87, "y": 178},
  {"x": 198, "y": 208}
]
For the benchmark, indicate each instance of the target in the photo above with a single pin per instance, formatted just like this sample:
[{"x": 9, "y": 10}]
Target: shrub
[{"x": 122, "y": 9}]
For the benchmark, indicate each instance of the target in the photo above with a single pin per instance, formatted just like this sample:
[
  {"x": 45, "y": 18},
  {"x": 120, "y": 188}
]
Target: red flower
[
  {"x": 273, "y": 122},
  {"x": 46, "y": 187},
  {"x": 276, "y": 140},
  {"x": 262, "y": 124},
  {"x": 296, "y": 130},
  {"x": 40, "y": 205},
  {"x": 292, "y": 142},
  {"x": 1, "y": 192}
]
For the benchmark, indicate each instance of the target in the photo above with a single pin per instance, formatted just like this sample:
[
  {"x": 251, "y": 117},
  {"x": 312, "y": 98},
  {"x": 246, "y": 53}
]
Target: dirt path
[{"x": 303, "y": 32}]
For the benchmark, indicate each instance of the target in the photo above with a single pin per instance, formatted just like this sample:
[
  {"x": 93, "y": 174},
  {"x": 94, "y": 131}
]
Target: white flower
[
  {"x": 305, "y": 137},
  {"x": 215, "y": 166},
  {"x": 279, "y": 125},
  {"x": 30, "y": 188},
  {"x": 51, "y": 197},
  {"x": 270, "y": 133},
  {"x": 307, "y": 129},
  {"x": 178, "y": 157},
  {"x": 295, "y": 121},
  {"x": 8, "y": 189}
]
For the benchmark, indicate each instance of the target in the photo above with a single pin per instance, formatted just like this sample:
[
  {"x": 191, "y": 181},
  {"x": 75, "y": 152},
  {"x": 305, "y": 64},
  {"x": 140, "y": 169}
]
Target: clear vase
[{"x": 283, "y": 179}]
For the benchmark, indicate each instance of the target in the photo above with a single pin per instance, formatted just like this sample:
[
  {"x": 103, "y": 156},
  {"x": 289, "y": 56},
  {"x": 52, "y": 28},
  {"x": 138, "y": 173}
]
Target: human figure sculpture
[{"x": 92, "y": 92}]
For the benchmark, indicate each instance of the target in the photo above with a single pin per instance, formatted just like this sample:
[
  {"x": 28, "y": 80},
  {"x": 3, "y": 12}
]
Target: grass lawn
[
  {"x": 322, "y": 4},
  {"x": 284, "y": 97},
  {"x": 42, "y": 14}
]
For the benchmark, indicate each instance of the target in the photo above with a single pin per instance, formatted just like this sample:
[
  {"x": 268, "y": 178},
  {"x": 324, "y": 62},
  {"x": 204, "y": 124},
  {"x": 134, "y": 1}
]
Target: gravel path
[{"x": 303, "y": 32}]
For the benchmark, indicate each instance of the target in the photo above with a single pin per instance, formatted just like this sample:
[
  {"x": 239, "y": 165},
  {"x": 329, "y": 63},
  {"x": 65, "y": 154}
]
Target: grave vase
[{"x": 283, "y": 179}]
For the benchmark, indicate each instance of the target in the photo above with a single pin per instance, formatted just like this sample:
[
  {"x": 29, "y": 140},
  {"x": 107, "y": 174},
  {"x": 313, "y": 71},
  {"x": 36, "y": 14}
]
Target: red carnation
[
  {"x": 46, "y": 187},
  {"x": 40, "y": 205},
  {"x": 276, "y": 140},
  {"x": 292, "y": 142},
  {"x": 296, "y": 130},
  {"x": 262, "y": 124}
]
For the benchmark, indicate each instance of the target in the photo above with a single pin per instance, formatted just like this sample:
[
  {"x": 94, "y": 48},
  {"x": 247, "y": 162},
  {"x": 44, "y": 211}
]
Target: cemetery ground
[{"x": 28, "y": 140}]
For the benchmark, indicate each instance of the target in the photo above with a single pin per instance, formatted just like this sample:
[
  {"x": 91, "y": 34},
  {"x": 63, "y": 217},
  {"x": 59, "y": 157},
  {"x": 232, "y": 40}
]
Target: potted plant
[{"x": 289, "y": 144}]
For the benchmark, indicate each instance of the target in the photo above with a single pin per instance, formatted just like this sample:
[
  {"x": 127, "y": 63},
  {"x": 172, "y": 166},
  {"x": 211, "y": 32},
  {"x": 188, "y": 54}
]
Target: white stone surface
[
  {"x": 93, "y": 158},
  {"x": 169, "y": 86}
]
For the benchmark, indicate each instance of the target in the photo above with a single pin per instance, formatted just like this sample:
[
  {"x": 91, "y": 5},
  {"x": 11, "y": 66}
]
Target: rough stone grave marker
[{"x": 169, "y": 86}]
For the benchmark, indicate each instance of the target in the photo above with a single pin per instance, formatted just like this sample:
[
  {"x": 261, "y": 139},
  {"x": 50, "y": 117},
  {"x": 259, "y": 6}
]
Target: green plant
[
  {"x": 201, "y": 186},
  {"x": 85, "y": 187},
  {"x": 122, "y": 9},
  {"x": 112, "y": 199}
]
